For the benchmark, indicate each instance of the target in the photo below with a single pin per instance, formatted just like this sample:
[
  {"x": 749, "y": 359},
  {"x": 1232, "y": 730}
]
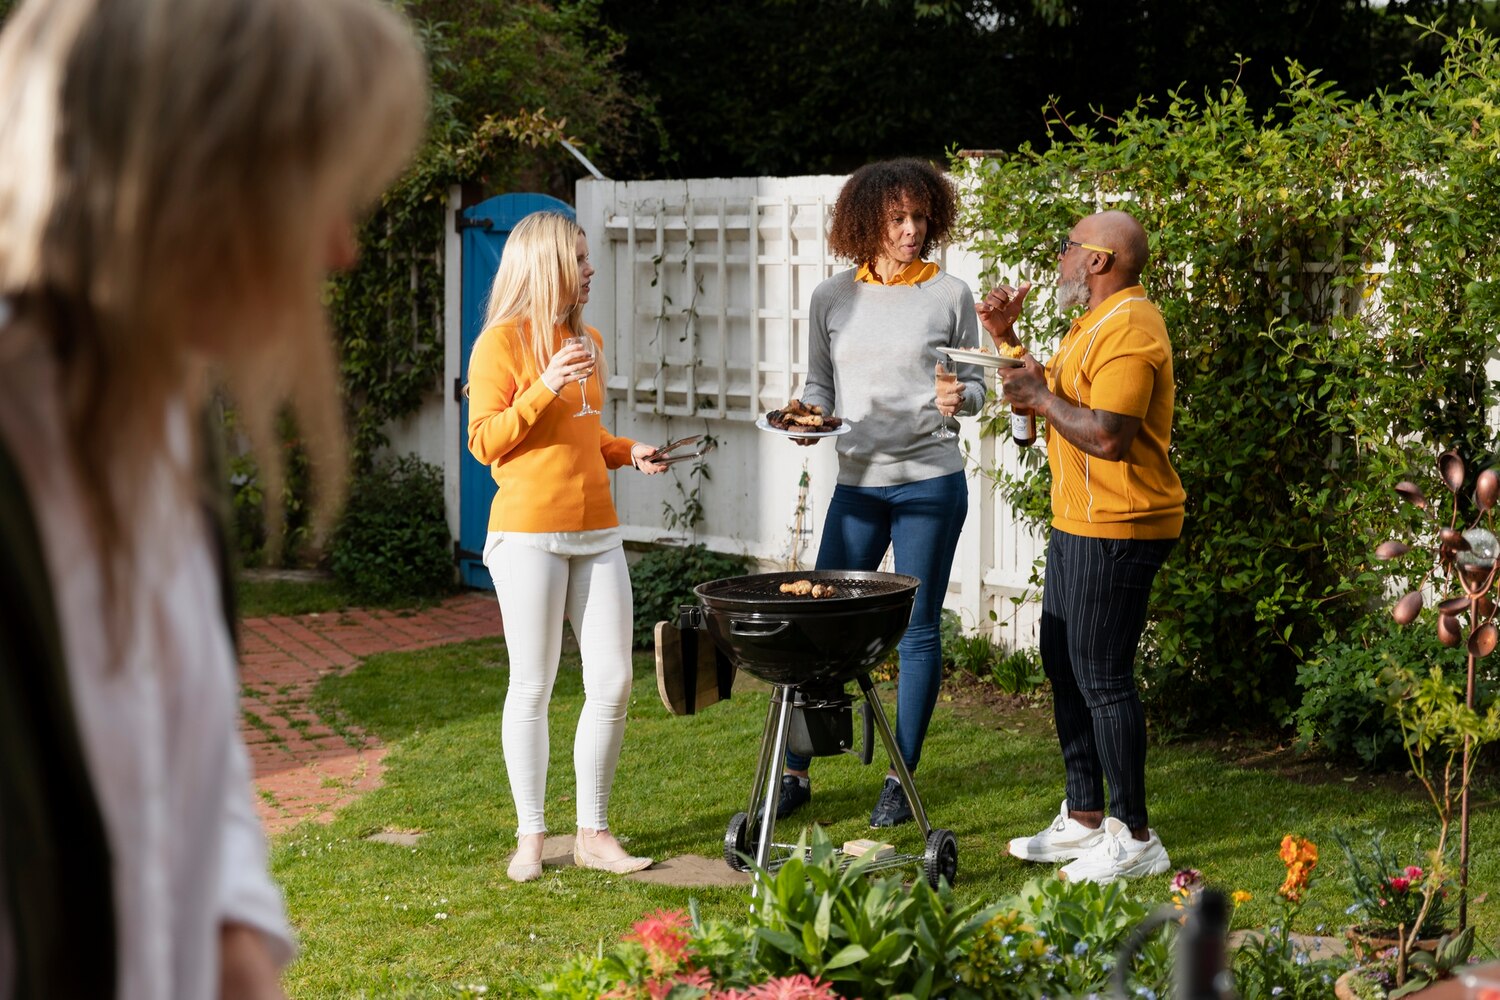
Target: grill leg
[
  {"x": 782, "y": 703},
  {"x": 883, "y": 727},
  {"x": 765, "y": 767}
]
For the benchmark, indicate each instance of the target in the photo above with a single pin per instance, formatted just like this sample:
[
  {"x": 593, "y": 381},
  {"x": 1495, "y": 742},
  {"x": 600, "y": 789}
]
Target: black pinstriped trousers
[{"x": 1093, "y": 612}]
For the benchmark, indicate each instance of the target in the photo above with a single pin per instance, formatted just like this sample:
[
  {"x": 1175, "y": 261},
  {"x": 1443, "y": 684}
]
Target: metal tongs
[{"x": 663, "y": 456}]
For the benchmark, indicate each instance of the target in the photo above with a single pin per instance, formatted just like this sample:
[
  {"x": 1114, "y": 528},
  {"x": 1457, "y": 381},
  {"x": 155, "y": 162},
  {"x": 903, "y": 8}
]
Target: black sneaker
[
  {"x": 892, "y": 809},
  {"x": 795, "y": 793}
]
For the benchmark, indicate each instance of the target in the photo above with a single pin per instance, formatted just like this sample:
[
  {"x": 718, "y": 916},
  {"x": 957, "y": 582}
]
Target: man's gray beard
[{"x": 1072, "y": 292}]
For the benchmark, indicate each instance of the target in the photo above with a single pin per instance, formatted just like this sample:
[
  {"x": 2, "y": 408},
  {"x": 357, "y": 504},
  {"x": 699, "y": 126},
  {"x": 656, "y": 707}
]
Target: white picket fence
[{"x": 701, "y": 295}]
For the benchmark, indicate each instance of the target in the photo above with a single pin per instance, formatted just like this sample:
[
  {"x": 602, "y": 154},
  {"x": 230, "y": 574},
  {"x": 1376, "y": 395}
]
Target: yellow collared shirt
[{"x": 914, "y": 273}]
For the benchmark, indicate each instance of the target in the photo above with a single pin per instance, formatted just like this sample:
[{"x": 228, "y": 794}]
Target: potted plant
[
  {"x": 1444, "y": 722},
  {"x": 1377, "y": 980},
  {"x": 1391, "y": 893}
]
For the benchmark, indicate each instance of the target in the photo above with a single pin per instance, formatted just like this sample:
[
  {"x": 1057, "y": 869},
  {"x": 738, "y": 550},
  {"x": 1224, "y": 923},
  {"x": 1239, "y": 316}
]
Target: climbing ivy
[
  {"x": 387, "y": 312},
  {"x": 1327, "y": 278}
]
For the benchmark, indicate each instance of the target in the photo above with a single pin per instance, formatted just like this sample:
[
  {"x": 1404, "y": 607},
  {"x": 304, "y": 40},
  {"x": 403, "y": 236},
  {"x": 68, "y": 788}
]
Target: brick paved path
[{"x": 304, "y": 770}]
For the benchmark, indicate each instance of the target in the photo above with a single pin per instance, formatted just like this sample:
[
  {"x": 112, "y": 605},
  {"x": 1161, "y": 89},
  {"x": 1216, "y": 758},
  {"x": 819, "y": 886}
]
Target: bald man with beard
[{"x": 1107, "y": 398}]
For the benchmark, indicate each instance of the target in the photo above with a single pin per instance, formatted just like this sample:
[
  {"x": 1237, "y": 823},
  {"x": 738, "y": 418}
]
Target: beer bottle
[{"x": 1023, "y": 428}]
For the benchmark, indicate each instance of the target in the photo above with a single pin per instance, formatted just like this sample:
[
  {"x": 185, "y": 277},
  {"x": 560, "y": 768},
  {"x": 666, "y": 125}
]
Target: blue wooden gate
[{"x": 485, "y": 227}]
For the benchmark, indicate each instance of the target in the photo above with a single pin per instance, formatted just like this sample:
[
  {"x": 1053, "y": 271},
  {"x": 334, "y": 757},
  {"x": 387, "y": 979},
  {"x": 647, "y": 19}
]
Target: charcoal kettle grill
[{"x": 809, "y": 648}]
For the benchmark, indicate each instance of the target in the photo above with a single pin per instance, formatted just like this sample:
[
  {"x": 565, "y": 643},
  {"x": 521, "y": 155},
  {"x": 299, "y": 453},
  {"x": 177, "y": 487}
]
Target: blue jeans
[{"x": 923, "y": 521}]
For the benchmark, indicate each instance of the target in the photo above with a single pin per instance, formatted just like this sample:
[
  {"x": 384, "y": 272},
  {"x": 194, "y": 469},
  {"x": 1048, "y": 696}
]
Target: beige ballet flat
[
  {"x": 620, "y": 866},
  {"x": 524, "y": 871}
]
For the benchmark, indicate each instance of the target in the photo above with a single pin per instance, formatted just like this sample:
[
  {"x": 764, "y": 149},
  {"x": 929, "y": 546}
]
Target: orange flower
[
  {"x": 1295, "y": 850},
  {"x": 1300, "y": 857}
]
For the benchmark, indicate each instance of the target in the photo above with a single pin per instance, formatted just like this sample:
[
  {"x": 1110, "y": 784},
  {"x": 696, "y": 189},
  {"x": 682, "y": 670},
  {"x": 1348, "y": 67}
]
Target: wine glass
[
  {"x": 947, "y": 377},
  {"x": 587, "y": 344}
]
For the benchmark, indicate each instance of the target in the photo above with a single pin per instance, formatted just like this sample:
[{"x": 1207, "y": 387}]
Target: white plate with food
[
  {"x": 989, "y": 359},
  {"x": 807, "y": 435}
]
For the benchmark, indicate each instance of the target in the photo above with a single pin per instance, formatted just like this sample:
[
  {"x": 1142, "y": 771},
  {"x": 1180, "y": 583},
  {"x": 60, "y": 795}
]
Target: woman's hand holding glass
[
  {"x": 949, "y": 396},
  {"x": 585, "y": 344},
  {"x": 572, "y": 363}
]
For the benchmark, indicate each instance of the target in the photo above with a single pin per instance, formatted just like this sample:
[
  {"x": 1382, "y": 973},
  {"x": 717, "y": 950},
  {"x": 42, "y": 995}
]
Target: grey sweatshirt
[{"x": 871, "y": 352}]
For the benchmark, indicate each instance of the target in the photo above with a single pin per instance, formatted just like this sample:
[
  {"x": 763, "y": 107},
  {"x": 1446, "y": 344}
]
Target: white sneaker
[
  {"x": 1118, "y": 855},
  {"x": 1064, "y": 840}
]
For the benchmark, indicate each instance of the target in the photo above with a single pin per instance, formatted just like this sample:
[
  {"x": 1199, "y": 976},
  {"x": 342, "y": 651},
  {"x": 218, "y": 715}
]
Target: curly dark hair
[{"x": 859, "y": 215}]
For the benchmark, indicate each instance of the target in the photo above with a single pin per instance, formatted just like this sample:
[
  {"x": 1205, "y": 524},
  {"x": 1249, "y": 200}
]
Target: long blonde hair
[
  {"x": 171, "y": 175},
  {"x": 536, "y": 286}
]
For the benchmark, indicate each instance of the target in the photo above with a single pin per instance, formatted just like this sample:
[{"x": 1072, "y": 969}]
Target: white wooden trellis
[{"x": 702, "y": 298}]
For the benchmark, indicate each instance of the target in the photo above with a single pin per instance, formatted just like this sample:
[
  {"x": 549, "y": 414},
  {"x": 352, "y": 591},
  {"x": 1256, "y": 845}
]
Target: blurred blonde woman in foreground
[
  {"x": 177, "y": 178},
  {"x": 553, "y": 547}
]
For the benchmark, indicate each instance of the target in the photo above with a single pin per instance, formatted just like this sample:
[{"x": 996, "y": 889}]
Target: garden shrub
[
  {"x": 665, "y": 577},
  {"x": 1012, "y": 671},
  {"x": 1331, "y": 310},
  {"x": 393, "y": 541},
  {"x": 819, "y": 929},
  {"x": 247, "y": 513},
  {"x": 1343, "y": 710}
]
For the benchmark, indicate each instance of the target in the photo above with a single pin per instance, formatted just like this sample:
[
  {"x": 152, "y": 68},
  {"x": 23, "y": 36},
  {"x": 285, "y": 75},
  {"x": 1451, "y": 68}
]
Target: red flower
[
  {"x": 798, "y": 987},
  {"x": 664, "y": 936},
  {"x": 1399, "y": 883}
]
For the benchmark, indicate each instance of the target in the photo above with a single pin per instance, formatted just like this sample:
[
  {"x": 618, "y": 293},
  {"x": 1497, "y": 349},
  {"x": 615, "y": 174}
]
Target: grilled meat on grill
[{"x": 806, "y": 588}]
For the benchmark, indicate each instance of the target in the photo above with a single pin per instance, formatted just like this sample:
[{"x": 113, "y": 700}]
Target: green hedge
[
  {"x": 393, "y": 541},
  {"x": 1327, "y": 280},
  {"x": 664, "y": 578}
]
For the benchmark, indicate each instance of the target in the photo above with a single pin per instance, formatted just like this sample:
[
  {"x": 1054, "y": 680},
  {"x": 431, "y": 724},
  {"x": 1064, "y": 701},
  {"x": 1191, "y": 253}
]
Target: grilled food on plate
[{"x": 797, "y": 416}]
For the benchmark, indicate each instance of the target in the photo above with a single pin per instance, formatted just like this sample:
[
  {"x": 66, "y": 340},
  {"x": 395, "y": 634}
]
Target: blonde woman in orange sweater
[{"x": 553, "y": 547}]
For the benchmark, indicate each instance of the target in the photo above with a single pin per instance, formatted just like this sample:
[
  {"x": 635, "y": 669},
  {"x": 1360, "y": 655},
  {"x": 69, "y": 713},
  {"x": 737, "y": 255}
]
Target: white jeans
[{"x": 536, "y": 589}]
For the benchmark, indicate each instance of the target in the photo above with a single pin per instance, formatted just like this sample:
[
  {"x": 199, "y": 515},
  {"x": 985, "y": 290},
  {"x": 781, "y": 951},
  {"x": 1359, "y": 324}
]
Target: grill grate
[{"x": 767, "y": 588}]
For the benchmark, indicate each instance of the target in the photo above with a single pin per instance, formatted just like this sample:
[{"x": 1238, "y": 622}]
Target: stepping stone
[
  {"x": 691, "y": 871},
  {"x": 558, "y": 851},
  {"x": 400, "y": 838}
]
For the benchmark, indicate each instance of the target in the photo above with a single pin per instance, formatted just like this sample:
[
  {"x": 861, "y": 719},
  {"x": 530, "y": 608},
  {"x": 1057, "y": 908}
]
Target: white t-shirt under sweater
[
  {"x": 871, "y": 356},
  {"x": 159, "y": 718}
]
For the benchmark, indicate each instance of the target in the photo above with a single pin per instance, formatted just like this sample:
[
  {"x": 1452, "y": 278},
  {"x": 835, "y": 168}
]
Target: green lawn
[
  {"x": 260, "y": 597},
  {"x": 381, "y": 920}
]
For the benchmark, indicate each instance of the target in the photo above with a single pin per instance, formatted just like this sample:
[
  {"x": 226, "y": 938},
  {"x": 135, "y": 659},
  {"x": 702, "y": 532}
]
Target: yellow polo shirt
[
  {"x": 914, "y": 273},
  {"x": 1117, "y": 357}
]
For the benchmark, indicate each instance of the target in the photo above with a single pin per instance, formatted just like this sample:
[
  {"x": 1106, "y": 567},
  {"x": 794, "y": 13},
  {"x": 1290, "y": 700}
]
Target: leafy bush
[
  {"x": 886, "y": 940},
  {"x": 247, "y": 525},
  {"x": 1343, "y": 709},
  {"x": 1086, "y": 923},
  {"x": 665, "y": 577},
  {"x": 393, "y": 541},
  {"x": 1330, "y": 311},
  {"x": 1013, "y": 671},
  {"x": 820, "y": 929},
  {"x": 1018, "y": 671}
]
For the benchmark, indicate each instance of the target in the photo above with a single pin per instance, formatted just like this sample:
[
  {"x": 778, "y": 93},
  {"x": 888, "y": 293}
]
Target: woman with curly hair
[{"x": 873, "y": 358}]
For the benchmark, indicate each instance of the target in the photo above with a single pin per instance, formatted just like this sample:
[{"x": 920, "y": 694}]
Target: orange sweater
[{"x": 552, "y": 468}]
